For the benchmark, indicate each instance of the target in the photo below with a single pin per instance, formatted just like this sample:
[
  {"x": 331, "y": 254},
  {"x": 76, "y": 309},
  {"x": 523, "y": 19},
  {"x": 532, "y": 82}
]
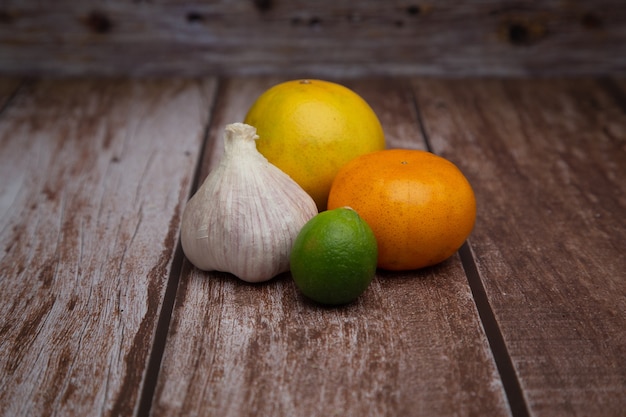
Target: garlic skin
[{"x": 246, "y": 215}]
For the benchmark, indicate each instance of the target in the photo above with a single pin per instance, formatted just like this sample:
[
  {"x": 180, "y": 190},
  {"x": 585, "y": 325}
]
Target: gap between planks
[
  {"x": 504, "y": 363},
  {"x": 153, "y": 369}
]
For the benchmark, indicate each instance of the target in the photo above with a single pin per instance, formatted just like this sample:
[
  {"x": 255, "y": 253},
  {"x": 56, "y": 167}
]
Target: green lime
[{"x": 334, "y": 257}]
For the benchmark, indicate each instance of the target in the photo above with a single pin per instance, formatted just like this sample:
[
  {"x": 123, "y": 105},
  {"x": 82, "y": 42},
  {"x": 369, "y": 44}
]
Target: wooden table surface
[{"x": 101, "y": 315}]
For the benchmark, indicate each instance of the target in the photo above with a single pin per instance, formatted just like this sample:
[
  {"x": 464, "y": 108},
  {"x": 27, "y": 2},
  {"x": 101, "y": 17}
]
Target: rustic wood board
[
  {"x": 548, "y": 162},
  {"x": 329, "y": 37},
  {"x": 411, "y": 345},
  {"x": 93, "y": 178}
]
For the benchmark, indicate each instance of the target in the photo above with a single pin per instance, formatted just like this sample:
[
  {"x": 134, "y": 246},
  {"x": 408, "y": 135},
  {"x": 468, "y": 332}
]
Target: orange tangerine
[{"x": 419, "y": 205}]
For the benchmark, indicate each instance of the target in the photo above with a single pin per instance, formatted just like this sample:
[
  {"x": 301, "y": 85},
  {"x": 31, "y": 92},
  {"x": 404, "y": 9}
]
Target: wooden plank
[
  {"x": 327, "y": 37},
  {"x": 93, "y": 177},
  {"x": 411, "y": 345},
  {"x": 547, "y": 159}
]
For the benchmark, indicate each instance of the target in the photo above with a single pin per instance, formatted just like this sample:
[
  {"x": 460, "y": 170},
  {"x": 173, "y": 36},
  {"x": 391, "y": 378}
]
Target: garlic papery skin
[{"x": 246, "y": 215}]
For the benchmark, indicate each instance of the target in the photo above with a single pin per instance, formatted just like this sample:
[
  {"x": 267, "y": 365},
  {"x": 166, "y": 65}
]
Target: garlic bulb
[{"x": 246, "y": 215}]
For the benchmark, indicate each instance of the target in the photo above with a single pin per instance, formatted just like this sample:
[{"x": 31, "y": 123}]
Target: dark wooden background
[{"x": 325, "y": 37}]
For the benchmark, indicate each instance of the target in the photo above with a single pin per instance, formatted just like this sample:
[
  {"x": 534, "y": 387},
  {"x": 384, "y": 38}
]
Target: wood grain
[
  {"x": 93, "y": 177},
  {"x": 547, "y": 159},
  {"x": 301, "y": 38},
  {"x": 411, "y": 345}
]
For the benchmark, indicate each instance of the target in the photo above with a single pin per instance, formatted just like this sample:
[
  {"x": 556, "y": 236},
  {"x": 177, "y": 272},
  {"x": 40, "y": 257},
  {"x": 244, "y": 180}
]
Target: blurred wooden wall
[{"x": 325, "y": 37}]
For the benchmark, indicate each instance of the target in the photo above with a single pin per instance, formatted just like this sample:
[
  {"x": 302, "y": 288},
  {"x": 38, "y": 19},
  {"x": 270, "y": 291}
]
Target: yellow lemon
[{"x": 311, "y": 128}]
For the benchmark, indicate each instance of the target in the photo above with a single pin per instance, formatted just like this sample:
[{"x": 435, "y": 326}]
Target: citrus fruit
[
  {"x": 333, "y": 259},
  {"x": 419, "y": 205},
  {"x": 310, "y": 128}
]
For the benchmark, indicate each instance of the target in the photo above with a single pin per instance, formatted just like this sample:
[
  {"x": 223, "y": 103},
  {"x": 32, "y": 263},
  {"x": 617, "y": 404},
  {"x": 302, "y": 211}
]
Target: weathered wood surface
[
  {"x": 548, "y": 162},
  {"x": 412, "y": 345},
  {"x": 93, "y": 178},
  {"x": 328, "y": 37}
]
